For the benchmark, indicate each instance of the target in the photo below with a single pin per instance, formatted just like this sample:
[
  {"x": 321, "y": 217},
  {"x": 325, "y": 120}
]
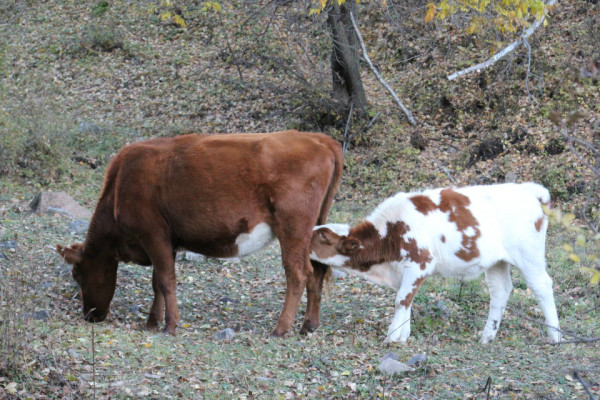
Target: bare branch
[
  {"x": 502, "y": 53},
  {"x": 378, "y": 75},
  {"x": 575, "y": 374}
]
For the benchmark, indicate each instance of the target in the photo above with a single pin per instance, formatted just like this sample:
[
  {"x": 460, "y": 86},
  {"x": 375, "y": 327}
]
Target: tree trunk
[{"x": 347, "y": 84}]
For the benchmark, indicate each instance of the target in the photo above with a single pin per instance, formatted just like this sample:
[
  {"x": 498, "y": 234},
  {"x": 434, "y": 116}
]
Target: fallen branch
[
  {"x": 505, "y": 51},
  {"x": 586, "y": 387},
  {"x": 378, "y": 75}
]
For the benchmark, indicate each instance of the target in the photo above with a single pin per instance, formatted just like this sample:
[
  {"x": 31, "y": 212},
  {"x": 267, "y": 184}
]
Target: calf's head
[
  {"x": 332, "y": 246},
  {"x": 96, "y": 277}
]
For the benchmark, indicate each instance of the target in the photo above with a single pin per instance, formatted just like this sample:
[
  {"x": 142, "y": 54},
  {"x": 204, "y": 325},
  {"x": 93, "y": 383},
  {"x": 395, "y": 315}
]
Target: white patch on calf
[
  {"x": 339, "y": 229},
  {"x": 336, "y": 261},
  {"x": 256, "y": 239}
]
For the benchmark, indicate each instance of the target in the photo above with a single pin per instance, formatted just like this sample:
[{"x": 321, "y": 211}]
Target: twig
[
  {"x": 487, "y": 387},
  {"x": 379, "y": 77},
  {"x": 347, "y": 129},
  {"x": 562, "y": 331},
  {"x": 526, "y": 44},
  {"x": 365, "y": 128},
  {"x": 575, "y": 374},
  {"x": 502, "y": 53}
]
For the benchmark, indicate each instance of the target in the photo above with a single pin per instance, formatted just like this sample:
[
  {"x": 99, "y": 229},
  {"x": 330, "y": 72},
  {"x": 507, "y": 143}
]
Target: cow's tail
[{"x": 334, "y": 183}]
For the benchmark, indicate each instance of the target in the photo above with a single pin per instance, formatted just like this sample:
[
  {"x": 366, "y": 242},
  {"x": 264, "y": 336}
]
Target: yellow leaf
[
  {"x": 431, "y": 11},
  {"x": 147, "y": 345},
  {"x": 574, "y": 257},
  {"x": 567, "y": 219},
  {"x": 186, "y": 325},
  {"x": 179, "y": 21},
  {"x": 567, "y": 247},
  {"x": 165, "y": 16},
  {"x": 11, "y": 388},
  {"x": 595, "y": 274},
  {"x": 345, "y": 373},
  {"x": 580, "y": 240}
]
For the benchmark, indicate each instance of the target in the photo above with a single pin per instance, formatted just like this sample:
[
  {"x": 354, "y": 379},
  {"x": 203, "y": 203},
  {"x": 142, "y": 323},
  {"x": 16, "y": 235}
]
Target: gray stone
[
  {"x": 225, "y": 334},
  {"x": 78, "y": 227},
  {"x": 9, "y": 245},
  {"x": 337, "y": 274},
  {"x": 88, "y": 127},
  {"x": 438, "y": 308},
  {"x": 391, "y": 367},
  {"x": 191, "y": 256},
  {"x": 510, "y": 177},
  {"x": 62, "y": 202},
  {"x": 390, "y": 356},
  {"x": 417, "y": 360},
  {"x": 42, "y": 315}
]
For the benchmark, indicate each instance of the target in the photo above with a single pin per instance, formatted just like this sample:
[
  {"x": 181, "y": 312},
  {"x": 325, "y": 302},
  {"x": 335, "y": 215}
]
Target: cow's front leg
[
  {"x": 314, "y": 289},
  {"x": 164, "y": 284},
  {"x": 157, "y": 311},
  {"x": 412, "y": 279}
]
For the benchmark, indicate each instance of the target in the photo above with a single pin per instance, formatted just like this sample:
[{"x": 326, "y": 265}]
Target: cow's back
[{"x": 202, "y": 191}]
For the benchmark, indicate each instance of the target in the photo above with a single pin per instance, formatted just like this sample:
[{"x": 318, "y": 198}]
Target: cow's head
[
  {"x": 96, "y": 276},
  {"x": 331, "y": 245}
]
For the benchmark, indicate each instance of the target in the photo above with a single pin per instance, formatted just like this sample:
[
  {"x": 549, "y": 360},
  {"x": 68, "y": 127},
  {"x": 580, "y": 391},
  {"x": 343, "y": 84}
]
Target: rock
[
  {"x": 10, "y": 245},
  {"x": 62, "y": 202},
  {"x": 390, "y": 356},
  {"x": 417, "y": 360},
  {"x": 391, "y": 367},
  {"x": 438, "y": 308},
  {"x": 191, "y": 256},
  {"x": 225, "y": 334},
  {"x": 88, "y": 127},
  {"x": 42, "y": 315},
  {"x": 78, "y": 227},
  {"x": 510, "y": 177},
  {"x": 337, "y": 274}
]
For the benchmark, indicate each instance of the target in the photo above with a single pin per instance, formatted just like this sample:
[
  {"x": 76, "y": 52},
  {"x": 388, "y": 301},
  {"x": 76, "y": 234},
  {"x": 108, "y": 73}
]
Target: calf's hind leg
[{"x": 499, "y": 286}]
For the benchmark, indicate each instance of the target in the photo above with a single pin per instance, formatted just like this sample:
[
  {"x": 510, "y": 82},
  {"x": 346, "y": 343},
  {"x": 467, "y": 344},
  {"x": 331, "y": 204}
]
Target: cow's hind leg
[
  {"x": 297, "y": 268},
  {"x": 157, "y": 312},
  {"x": 499, "y": 286},
  {"x": 314, "y": 289}
]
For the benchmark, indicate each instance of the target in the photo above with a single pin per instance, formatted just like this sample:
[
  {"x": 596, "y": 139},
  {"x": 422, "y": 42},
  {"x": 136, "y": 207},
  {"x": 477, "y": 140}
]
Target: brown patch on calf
[
  {"x": 443, "y": 239},
  {"x": 409, "y": 297},
  {"x": 538, "y": 224},
  {"x": 423, "y": 204},
  {"x": 456, "y": 205},
  {"x": 377, "y": 250}
]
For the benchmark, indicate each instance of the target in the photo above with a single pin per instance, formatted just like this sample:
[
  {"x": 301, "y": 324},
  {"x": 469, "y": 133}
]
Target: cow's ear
[
  {"x": 349, "y": 246},
  {"x": 327, "y": 236},
  {"x": 71, "y": 255}
]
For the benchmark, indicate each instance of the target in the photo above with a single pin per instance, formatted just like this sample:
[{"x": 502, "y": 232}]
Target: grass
[{"x": 54, "y": 357}]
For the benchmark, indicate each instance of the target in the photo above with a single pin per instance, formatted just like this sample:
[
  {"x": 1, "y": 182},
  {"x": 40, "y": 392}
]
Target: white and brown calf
[{"x": 452, "y": 232}]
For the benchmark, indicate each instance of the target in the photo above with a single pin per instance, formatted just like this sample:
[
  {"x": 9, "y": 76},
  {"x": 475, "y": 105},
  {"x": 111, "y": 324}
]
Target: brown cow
[{"x": 219, "y": 195}]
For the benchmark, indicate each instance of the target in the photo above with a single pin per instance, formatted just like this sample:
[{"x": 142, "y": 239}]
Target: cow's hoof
[
  {"x": 275, "y": 333},
  {"x": 169, "y": 331},
  {"x": 308, "y": 327}
]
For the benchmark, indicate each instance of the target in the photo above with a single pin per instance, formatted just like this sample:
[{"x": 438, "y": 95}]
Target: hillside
[{"x": 78, "y": 80}]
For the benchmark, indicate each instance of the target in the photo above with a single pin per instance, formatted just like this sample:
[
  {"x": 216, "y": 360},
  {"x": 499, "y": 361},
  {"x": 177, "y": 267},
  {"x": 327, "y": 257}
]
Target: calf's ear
[
  {"x": 349, "y": 246},
  {"x": 327, "y": 236},
  {"x": 71, "y": 255}
]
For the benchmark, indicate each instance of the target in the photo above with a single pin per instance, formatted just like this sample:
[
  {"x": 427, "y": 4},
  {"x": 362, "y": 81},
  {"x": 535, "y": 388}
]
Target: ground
[{"x": 79, "y": 80}]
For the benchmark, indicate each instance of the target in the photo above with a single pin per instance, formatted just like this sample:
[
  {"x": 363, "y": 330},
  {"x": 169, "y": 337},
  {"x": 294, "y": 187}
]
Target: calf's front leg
[{"x": 412, "y": 279}]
